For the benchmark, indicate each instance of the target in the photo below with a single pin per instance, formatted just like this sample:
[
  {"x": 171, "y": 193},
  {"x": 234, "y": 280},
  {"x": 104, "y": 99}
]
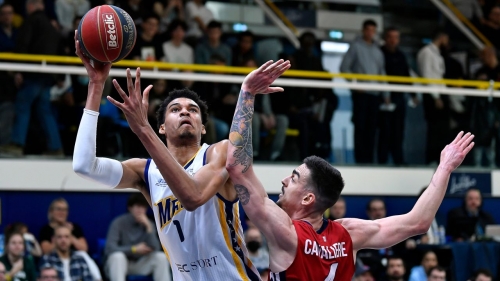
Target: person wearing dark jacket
[
  {"x": 392, "y": 113},
  {"x": 36, "y": 36},
  {"x": 468, "y": 220}
]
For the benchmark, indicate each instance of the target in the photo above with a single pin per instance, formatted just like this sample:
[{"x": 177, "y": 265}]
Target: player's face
[
  {"x": 16, "y": 245},
  {"x": 60, "y": 212},
  {"x": 395, "y": 269},
  {"x": 62, "y": 239},
  {"x": 437, "y": 275},
  {"x": 182, "y": 120},
  {"x": 429, "y": 261},
  {"x": 293, "y": 189}
]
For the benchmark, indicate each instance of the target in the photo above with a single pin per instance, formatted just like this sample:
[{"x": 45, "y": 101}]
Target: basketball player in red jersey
[{"x": 302, "y": 244}]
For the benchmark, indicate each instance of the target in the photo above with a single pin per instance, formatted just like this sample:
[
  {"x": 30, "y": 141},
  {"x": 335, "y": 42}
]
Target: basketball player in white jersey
[{"x": 196, "y": 211}]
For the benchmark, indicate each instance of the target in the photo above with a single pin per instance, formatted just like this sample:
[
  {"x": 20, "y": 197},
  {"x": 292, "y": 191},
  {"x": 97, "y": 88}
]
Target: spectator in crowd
[
  {"x": 419, "y": 273},
  {"x": 469, "y": 221},
  {"x": 48, "y": 274},
  {"x": 375, "y": 259},
  {"x": 197, "y": 17},
  {"x": 437, "y": 110},
  {"x": 482, "y": 274},
  {"x": 375, "y": 209},
  {"x": 168, "y": 11},
  {"x": 132, "y": 245},
  {"x": 32, "y": 247},
  {"x": 395, "y": 268},
  {"x": 58, "y": 216},
  {"x": 470, "y": 9},
  {"x": 337, "y": 211},
  {"x": 175, "y": 50},
  {"x": 485, "y": 114},
  {"x": 213, "y": 46},
  {"x": 436, "y": 274},
  {"x": 36, "y": 36},
  {"x": 2, "y": 272},
  {"x": 364, "y": 56},
  {"x": 392, "y": 113},
  {"x": 19, "y": 267},
  {"x": 156, "y": 97},
  {"x": 491, "y": 28},
  {"x": 362, "y": 272},
  {"x": 8, "y": 33},
  {"x": 135, "y": 8},
  {"x": 69, "y": 265},
  {"x": 148, "y": 46},
  {"x": 67, "y": 10},
  {"x": 243, "y": 51},
  {"x": 256, "y": 252}
]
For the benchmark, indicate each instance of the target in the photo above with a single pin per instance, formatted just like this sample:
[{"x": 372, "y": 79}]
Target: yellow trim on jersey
[
  {"x": 194, "y": 156},
  {"x": 166, "y": 252},
  {"x": 225, "y": 230},
  {"x": 236, "y": 215}
]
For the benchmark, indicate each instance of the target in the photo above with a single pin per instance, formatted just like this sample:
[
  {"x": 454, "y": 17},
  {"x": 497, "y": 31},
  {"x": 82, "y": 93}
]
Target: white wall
[{"x": 57, "y": 175}]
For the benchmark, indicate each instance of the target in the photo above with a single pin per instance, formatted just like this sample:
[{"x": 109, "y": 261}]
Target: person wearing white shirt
[
  {"x": 175, "y": 50},
  {"x": 431, "y": 65},
  {"x": 67, "y": 10},
  {"x": 197, "y": 17}
]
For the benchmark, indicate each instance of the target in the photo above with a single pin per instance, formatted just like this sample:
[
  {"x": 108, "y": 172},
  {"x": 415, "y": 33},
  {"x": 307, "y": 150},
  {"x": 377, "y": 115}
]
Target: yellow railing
[
  {"x": 283, "y": 18},
  {"x": 246, "y": 70},
  {"x": 466, "y": 21}
]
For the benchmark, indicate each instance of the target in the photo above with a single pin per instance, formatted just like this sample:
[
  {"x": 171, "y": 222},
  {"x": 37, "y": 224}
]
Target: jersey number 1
[
  {"x": 181, "y": 234},
  {"x": 331, "y": 274}
]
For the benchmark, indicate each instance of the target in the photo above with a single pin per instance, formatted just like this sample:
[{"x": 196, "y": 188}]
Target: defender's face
[
  {"x": 293, "y": 189},
  {"x": 182, "y": 120}
]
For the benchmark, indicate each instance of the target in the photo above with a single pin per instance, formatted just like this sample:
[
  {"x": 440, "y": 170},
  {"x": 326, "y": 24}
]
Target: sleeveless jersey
[
  {"x": 206, "y": 244},
  {"x": 323, "y": 255}
]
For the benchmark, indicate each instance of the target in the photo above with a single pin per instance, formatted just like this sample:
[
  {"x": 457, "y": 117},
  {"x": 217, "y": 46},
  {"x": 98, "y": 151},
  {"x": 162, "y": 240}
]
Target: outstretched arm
[
  {"x": 274, "y": 223},
  {"x": 192, "y": 192},
  {"x": 392, "y": 230},
  {"x": 106, "y": 171}
]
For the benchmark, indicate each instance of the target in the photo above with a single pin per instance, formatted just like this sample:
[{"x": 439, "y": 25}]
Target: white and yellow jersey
[{"x": 206, "y": 244}]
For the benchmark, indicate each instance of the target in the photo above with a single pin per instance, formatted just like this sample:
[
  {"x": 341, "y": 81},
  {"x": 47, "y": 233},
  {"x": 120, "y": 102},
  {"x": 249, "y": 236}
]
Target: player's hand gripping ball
[{"x": 107, "y": 34}]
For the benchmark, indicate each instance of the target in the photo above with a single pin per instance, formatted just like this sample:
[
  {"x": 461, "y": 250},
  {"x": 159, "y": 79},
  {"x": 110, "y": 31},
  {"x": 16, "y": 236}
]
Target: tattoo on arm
[
  {"x": 243, "y": 193},
  {"x": 240, "y": 135}
]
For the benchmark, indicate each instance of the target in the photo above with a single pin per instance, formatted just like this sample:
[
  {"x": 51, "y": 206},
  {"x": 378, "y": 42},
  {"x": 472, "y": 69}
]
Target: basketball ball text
[{"x": 110, "y": 29}]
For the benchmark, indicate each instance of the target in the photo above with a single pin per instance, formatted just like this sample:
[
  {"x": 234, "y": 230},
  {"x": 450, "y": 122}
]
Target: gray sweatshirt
[
  {"x": 124, "y": 232},
  {"x": 363, "y": 58}
]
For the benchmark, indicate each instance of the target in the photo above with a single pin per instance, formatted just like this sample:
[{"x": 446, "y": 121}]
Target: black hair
[
  {"x": 437, "y": 268},
  {"x": 369, "y": 205},
  {"x": 327, "y": 182},
  {"x": 482, "y": 271},
  {"x": 369, "y": 22},
  {"x": 307, "y": 34},
  {"x": 137, "y": 199},
  {"x": 426, "y": 253},
  {"x": 247, "y": 33},
  {"x": 438, "y": 33},
  {"x": 182, "y": 93},
  {"x": 174, "y": 24},
  {"x": 390, "y": 29},
  {"x": 149, "y": 16},
  {"x": 395, "y": 257},
  {"x": 214, "y": 24}
]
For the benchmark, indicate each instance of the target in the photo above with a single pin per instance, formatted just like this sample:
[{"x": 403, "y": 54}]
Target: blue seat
[{"x": 101, "y": 244}]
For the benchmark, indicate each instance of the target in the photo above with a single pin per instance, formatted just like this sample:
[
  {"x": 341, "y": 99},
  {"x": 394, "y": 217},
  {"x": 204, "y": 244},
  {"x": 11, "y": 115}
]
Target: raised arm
[
  {"x": 388, "y": 231},
  {"x": 106, "y": 171},
  {"x": 274, "y": 223},
  {"x": 192, "y": 192}
]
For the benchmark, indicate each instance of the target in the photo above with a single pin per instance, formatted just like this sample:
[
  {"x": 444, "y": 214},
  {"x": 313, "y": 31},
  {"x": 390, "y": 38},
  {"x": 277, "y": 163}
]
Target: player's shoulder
[{"x": 217, "y": 152}]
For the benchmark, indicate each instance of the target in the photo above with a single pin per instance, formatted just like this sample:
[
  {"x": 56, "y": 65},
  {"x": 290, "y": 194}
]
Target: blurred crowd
[
  {"x": 172, "y": 31},
  {"x": 132, "y": 248}
]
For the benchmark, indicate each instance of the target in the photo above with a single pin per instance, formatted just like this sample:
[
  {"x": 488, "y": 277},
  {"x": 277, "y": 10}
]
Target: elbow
[
  {"x": 422, "y": 227},
  {"x": 80, "y": 169},
  {"x": 192, "y": 204}
]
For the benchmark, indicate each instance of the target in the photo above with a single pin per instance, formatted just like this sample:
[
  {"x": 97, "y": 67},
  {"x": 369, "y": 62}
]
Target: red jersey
[{"x": 323, "y": 255}]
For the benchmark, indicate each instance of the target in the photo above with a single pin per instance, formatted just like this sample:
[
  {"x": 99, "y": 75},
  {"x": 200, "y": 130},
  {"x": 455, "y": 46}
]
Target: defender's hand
[
  {"x": 454, "y": 153},
  {"x": 259, "y": 80}
]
